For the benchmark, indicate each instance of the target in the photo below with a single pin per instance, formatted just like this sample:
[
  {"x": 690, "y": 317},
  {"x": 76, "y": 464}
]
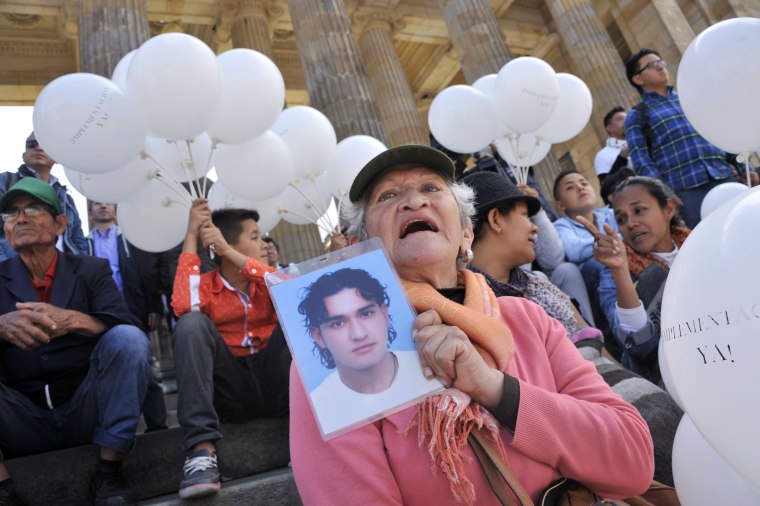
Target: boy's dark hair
[
  {"x": 656, "y": 189},
  {"x": 230, "y": 224},
  {"x": 313, "y": 309},
  {"x": 611, "y": 114},
  {"x": 558, "y": 181},
  {"x": 633, "y": 68}
]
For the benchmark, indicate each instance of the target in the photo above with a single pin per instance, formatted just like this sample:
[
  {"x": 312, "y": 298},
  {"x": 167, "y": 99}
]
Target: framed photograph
[{"x": 349, "y": 328}]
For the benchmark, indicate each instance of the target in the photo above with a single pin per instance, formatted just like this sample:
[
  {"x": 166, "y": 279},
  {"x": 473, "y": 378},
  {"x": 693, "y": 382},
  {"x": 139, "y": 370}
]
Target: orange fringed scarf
[
  {"x": 637, "y": 262},
  {"x": 445, "y": 420}
]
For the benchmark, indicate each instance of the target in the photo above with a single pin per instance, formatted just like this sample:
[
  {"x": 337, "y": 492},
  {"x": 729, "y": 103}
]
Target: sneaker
[
  {"x": 201, "y": 475},
  {"x": 109, "y": 489}
]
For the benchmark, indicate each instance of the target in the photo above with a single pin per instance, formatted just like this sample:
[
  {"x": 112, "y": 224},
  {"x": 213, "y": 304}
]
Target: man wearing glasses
[
  {"x": 662, "y": 143},
  {"x": 74, "y": 368},
  {"x": 38, "y": 164}
]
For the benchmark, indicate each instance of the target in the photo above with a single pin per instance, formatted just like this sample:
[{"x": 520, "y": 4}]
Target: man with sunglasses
[
  {"x": 663, "y": 144},
  {"x": 74, "y": 367},
  {"x": 38, "y": 164}
]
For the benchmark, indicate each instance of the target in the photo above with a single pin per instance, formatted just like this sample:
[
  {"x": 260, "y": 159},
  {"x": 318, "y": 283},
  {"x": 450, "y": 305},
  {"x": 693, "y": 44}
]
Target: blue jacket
[{"x": 73, "y": 237}]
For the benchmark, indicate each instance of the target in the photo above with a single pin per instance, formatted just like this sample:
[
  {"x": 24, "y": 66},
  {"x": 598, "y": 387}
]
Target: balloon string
[
  {"x": 180, "y": 192},
  {"x": 747, "y": 171},
  {"x": 325, "y": 215},
  {"x": 195, "y": 175},
  {"x": 163, "y": 172},
  {"x": 310, "y": 220},
  {"x": 314, "y": 207},
  {"x": 192, "y": 183},
  {"x": 214, "y": 143}
]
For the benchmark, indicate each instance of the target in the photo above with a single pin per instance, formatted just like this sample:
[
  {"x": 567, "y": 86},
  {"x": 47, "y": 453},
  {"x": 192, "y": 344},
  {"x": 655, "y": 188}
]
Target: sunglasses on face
[{"x": 32, "y": 143}]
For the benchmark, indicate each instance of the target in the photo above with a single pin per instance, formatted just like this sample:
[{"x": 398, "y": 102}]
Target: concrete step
[
  {"x": 273, "y": 488},
  {"x": 154, "y": 468}
]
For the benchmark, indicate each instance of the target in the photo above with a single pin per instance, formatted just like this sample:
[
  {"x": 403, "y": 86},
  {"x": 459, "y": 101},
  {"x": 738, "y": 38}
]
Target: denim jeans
[
  {"x": 691, "y": 210},
  {"x": 215, "y": 386},
  {"x": 104, "y": 409}
]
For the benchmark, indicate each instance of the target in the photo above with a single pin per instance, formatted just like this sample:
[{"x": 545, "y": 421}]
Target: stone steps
[
  {"x": 273, "y": 488},
  {"x": 251, "y": 455}
]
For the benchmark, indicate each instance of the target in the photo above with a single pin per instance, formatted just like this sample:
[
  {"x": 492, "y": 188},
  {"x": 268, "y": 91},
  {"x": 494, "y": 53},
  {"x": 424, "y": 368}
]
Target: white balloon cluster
[
  {"x": 147, "y": 138},
  {"x": 522, "y": 110}
]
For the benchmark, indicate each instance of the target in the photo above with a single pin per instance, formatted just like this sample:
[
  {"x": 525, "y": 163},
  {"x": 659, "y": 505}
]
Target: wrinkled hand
[
  {"x": 26, "y": 329},
  {"x": 61, "y": 318},
  {"x": 200, "y": 213},
  {"x": 608, "y": 248},
  {"x": 447, "y": 353}
]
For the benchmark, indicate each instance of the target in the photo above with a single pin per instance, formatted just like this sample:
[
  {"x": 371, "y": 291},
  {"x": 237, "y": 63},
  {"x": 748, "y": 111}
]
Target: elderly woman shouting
[{"x": 511, "y": 371}]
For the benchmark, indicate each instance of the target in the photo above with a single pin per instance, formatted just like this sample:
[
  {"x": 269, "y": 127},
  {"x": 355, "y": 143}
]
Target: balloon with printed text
[
  {"x": 710, "y": 326},
  {"x": 84, "y": 121}
]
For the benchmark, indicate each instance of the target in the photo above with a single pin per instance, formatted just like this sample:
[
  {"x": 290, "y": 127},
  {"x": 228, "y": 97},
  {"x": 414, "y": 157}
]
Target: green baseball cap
[
  {"x": 412, "y": 154},
  {"x": 37, "y": 188}
]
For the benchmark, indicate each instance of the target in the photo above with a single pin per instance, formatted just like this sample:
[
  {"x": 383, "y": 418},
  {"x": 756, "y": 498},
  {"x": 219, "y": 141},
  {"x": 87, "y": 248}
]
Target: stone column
[
  {"x": 593, "y": 56},
  {"x": 252, "y": 27},
  {"x": 390, "y": 86},
  {"x": 745, "y": 8},
  {"x": 109, "y": 29},
  {"x": 476, "y": 36},
  {"x": 335, "y": 77},
  {"x": 483, "y": 50}
]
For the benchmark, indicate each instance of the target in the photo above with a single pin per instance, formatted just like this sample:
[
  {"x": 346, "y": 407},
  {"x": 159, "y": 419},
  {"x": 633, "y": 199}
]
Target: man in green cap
[
  {"x": 38, "y": 164},
  {"x": 74, "y": 367}
]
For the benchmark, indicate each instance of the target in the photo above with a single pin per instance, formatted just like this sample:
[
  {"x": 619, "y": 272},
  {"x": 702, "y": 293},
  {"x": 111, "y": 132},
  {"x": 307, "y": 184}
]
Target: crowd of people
[{"x": 544, "y": 329}]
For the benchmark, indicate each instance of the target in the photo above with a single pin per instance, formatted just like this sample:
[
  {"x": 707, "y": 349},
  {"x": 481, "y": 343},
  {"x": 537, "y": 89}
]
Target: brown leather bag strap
[{"x": 495, "y": 468}]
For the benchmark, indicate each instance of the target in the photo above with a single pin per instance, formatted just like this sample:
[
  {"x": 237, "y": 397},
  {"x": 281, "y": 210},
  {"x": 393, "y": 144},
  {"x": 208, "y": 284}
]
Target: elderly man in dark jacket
[{"x": 74, "y": 368}]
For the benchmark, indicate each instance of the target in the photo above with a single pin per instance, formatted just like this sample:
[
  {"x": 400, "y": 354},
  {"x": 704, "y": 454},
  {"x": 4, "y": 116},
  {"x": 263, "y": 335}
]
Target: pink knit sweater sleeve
[
  {"x": 569, "y": 418},
  {"x": 349, "y": 470}
]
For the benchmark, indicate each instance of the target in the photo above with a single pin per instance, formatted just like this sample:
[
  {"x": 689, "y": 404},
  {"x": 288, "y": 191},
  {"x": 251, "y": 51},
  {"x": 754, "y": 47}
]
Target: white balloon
[
  {"x": 175, "y": 83},
  {"x": 181, "y": 160},
  {"x": 572, "y": 112},
  {"x": 253, "y": 94},
  {"x": 665, "y": 374},
  {"x": 529, "y": 149},
  {"x": 710, "y": 323},
  {"x": 717, "y": 84},
  {"x": 219, "y": 197},
  {"x": 114, "y": 186},
  {"x": 719, "y": 195},
  {"x": 258, "y": 169},
  {"x": 310, "y": 136},
  {"x": 701, "y": 476},
  {"x": 85, "y": 122},
  {"x": 305, "y": 201},
  {"x": 119, "y": 75},
  {"x": 462, "y": 119},
  {"x": 154, "y": 219},
  {"x": 486, "y": 86},
  {"x": 351, "y": 155},
  {"x": 526, "y": 92}
]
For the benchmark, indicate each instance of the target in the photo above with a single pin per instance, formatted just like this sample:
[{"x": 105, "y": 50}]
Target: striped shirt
[{"x": 679, "y": 156}]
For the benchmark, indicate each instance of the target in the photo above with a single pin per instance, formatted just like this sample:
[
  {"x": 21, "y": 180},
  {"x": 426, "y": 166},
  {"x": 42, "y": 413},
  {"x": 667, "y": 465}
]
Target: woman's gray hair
[{"x": 353, "y": 213}]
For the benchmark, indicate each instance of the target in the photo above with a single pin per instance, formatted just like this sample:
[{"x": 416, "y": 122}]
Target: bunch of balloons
[
  {"x": 523, "y": 110},
  {"x": 172, "y": 111}
]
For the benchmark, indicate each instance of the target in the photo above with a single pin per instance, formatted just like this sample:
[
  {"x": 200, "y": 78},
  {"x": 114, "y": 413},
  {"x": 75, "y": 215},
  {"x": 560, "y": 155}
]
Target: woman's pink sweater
[{"x": 569, "y": 424}]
